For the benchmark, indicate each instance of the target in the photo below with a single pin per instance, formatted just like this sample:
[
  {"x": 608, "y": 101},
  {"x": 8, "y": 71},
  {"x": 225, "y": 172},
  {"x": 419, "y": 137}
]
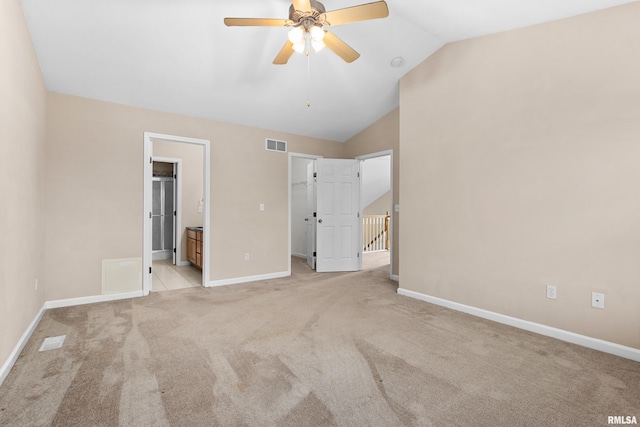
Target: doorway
[
  {"x": 195, "y": 213},
  {"x": 380, "y": 169},
  {"x": 300, "y": 220},
  {"x": 377, "y": 202},
  {"x": 324, "y": 201},
  {"x": 164, "y": 210}
]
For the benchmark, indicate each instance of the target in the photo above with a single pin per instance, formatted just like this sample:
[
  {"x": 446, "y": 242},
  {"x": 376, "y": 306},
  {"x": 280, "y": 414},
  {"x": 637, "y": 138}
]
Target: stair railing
[{"x": 375, "y": 232}]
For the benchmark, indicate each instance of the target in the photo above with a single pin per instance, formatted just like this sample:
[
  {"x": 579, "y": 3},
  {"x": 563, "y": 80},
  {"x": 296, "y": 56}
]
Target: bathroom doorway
[
  {"x": 164, "y": 211},
  {"x": 166, "y": 224}
]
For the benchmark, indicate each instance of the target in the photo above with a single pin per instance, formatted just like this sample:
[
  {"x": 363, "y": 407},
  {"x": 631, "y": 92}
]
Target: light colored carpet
[{"x": 308, "y": 350}]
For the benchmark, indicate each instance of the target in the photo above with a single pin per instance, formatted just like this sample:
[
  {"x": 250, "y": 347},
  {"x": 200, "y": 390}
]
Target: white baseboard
[
  {"x": 91, "y": 300},
  {"x": 160, "y": 255},
  {"x": 183, "y": 263},
  {"x": 582, "y": 340},
  {"x": 299, "y": 255},
  {"x": 13, "y": 356},
  {"x": 11, "y": 360},
  {"x": 247, "y": 279},
  {"x": 395, "y": 277}
]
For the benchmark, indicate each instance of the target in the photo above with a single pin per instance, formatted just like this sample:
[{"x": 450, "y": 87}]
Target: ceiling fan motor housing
[{"x": 299, "y": 16}]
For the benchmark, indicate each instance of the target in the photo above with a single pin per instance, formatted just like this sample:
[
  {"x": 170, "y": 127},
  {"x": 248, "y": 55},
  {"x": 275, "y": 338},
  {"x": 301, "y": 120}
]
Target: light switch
[{"x": 261, "y": 206}]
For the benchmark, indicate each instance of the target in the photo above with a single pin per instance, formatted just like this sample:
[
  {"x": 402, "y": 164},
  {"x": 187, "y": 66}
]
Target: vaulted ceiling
[{"x": 178, "y": 56}]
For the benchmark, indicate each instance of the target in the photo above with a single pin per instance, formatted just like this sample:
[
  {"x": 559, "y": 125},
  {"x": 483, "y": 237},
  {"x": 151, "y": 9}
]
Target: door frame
[
  {"x": 291, "y": 156},
  {"x": 392, "y": 212},
  {"x": 147, "y": 203}
]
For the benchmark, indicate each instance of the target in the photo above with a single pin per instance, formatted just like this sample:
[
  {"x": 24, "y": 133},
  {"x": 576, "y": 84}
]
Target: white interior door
[
  {"x": 311, "y": 210},
  {"x": 338, "y": 217}
]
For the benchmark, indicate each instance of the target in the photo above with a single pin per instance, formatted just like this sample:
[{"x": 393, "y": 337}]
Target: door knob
[{"x": 320, "y": 221}]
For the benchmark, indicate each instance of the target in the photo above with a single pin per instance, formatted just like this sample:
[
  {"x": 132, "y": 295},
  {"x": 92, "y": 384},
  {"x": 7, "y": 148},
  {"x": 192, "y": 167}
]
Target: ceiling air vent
[{"x": 275, "y": 145}]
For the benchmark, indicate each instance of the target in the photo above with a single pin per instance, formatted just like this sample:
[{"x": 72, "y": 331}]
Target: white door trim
[
  {"x": 147, "y": 203},
  {"x": 291, "y": 156},
  {"x": 310, "y": 211},
  {"x": 391, "y": 209}
]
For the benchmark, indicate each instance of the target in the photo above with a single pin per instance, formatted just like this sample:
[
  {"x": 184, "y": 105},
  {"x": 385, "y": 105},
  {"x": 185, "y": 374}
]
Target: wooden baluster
[{"x": 386, "y": 231}]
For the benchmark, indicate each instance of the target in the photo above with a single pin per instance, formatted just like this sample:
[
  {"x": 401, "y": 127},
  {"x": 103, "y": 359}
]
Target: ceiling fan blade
[
  {"x": 254, "y": 22},
  {"x": 362, "y": 12},
  {"x": 285, "y": 54},
  {"x": 341, "y": 49},
  {"x": 302, "y": 5}
]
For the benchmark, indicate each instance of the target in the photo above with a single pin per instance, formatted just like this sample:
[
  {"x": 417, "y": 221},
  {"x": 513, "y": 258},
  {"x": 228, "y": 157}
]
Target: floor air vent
[
  {"x": 52, "y": 343},
  {"x": 275, "y": 145}
]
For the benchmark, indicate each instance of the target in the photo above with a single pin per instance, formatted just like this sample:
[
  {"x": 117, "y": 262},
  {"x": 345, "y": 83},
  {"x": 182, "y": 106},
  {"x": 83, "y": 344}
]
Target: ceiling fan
[{"x": 307, "y": 19}]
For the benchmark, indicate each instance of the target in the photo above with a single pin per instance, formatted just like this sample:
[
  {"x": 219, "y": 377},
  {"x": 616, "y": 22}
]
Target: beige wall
[
  {"x": 380, "y": 136},
  {"x": 22, "y": 138},
  {"x": 520, "y": 168},
  {"x": 190, "y": 188},
  {"x": 95, "y": 152},
  {"x": 244, "y": 175},
  {"x": 380, "y": 206}
]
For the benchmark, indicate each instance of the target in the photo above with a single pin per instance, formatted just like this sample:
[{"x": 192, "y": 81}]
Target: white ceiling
[{"x": 178, "y": 56}]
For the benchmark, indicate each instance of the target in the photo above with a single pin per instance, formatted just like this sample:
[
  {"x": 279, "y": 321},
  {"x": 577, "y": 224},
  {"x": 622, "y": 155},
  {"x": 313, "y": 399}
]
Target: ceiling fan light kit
[
  {"x": 299, "y": 37},
  {"x": 308, "y": 19}
]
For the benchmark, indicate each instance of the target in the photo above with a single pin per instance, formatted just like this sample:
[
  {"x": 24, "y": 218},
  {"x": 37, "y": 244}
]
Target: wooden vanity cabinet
[{"x": 194, "y": 247}]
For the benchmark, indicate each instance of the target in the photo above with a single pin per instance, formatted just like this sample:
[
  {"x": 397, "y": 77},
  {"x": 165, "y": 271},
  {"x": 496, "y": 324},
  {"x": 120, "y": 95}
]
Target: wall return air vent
[{"x": 275, "y": 145}]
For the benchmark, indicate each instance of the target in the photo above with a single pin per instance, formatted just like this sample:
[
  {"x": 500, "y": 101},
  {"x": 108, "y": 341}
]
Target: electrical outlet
[
  {"x": 246, "y": 256},
  {"x": 597, "y": 300},
  {"x": 261, "y": 206},
  {"x": 551, "y": 292}
]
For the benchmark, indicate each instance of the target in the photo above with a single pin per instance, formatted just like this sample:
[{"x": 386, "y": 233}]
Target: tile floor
[{"x": 168, "y": 277}]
